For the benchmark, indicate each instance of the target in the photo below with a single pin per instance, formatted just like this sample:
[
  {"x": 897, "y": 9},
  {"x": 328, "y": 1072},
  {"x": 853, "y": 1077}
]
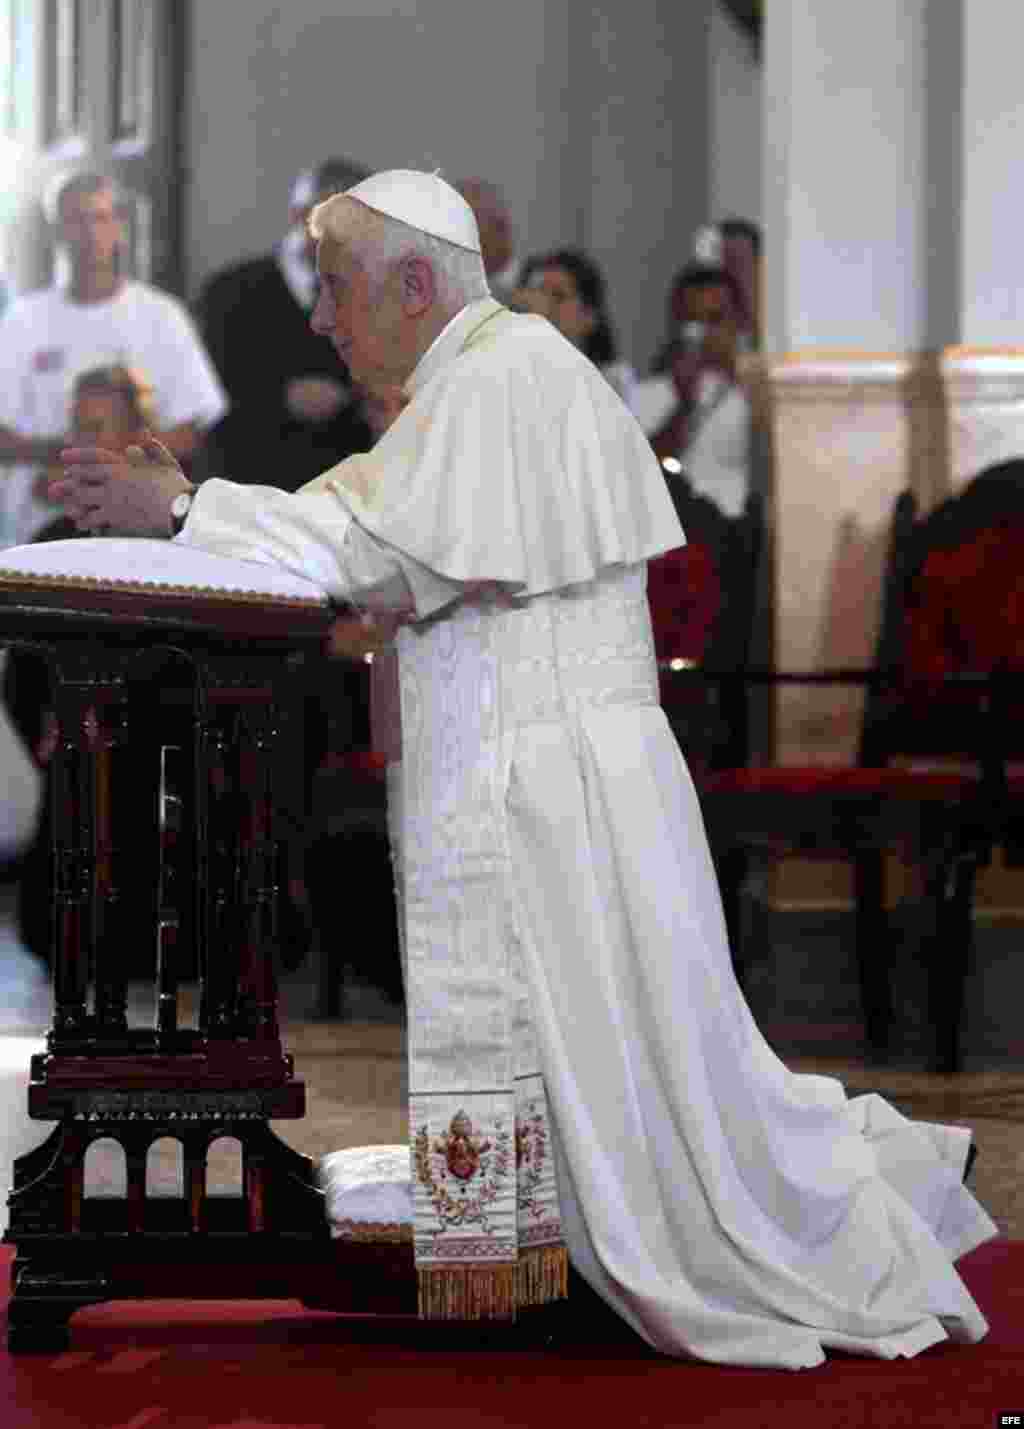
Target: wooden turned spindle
[
  {"x": 219, "y": 939},
  {"x": 73, "y": 869},
  {"x": 112, "y": 836}
]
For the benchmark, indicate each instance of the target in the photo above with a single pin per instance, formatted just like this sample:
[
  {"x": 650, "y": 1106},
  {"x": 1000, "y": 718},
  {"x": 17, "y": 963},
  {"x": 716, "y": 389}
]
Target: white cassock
[{"x": 570, "y": 985}]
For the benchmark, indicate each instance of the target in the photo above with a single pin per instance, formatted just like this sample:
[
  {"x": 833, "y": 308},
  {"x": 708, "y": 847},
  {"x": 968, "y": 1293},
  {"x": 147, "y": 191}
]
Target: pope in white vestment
[{"x": 583, "y": 1066}]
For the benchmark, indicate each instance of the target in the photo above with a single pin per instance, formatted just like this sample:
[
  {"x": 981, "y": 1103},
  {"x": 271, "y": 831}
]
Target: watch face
[{"x": 181, "y": 504}]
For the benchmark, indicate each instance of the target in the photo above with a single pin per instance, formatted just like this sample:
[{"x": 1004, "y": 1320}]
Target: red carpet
[{"x": 271, "y": 1365}]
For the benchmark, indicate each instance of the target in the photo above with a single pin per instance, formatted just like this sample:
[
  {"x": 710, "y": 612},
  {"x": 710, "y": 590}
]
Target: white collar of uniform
[{"x": 449, "y": 342}]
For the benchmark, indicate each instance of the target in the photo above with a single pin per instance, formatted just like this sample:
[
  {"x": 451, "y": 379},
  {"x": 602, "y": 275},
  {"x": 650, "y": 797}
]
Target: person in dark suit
[{"x": 294, "y": 411}]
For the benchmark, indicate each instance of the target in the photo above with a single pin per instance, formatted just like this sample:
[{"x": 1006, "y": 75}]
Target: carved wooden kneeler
[{"x": 175, "y": 785}]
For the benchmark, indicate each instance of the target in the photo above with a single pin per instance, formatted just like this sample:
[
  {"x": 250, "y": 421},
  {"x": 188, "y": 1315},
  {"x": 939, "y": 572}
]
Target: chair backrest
[
  {"x": 703, "y": 600},
  {"x": 954, "y": 606}
]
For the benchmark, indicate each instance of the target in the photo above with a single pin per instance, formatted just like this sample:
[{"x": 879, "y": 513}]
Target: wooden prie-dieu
[{"x": 174, "y": 788}]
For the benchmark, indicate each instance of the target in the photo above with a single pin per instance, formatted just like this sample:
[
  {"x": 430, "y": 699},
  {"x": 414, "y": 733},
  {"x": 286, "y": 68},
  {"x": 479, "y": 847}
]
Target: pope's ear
[{"x": 419, "y": 285}]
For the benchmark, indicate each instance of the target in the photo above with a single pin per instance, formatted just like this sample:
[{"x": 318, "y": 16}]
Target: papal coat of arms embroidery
[{"x": 458, "y": 1158}]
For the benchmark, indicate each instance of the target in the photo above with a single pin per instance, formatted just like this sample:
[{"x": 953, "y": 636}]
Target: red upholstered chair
[
  {"x": 947, "y": 616},
  {"x": 963, "y": 653}
]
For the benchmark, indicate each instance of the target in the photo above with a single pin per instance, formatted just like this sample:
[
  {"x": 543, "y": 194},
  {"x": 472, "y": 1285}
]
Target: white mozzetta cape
[
  {"x": 514, "y": 462},
  {"x": 563, "y": 935}
]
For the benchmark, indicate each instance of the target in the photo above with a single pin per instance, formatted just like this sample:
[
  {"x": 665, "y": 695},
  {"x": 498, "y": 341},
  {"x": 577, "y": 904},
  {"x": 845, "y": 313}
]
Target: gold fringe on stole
[
  {"x": 494, "y": 1292},
  {"x": 468, "y": 1292},
  {"x": 542, "y": 1275}
]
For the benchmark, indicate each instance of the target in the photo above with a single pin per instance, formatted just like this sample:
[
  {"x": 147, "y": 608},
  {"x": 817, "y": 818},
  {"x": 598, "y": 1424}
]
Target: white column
[
  {"x": 844, "y": 174},
  {"x": 992, "y": 260}
]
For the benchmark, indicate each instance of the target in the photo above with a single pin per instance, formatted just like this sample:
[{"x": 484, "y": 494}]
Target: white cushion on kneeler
[
  {"x": 368, "y": 1192},
  {"x": 113, "y": 559}
]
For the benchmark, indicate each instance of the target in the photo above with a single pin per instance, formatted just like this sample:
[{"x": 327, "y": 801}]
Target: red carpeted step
[{"x": 272, "y": 1365}]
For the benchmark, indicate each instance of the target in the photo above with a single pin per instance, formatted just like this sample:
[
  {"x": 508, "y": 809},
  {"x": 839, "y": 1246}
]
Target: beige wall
[{"x": 851, "y": 432}]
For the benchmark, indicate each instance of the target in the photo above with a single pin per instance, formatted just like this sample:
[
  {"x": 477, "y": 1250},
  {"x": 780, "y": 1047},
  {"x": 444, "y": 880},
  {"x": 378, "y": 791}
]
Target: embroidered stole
[{"x": 487, "y": 1230}]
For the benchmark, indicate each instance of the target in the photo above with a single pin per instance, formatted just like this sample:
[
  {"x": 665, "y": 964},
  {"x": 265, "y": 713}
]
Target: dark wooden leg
[
  {"x": 45, "y": 1291},
  {"x": 257, "y": 890},
  {"x": 74, "y": 867},
  {"x": 114, "y": 833},
  {"x": 872, "y": 944},
  {"x": 170, "y": 894},
  {"x": 331, "y": 1003},
  {"x": 952, "y": 896},
  {"x": 43, "y": 1299},
  {"x": 732, "y": 873},
  {"x": 323, "y": 859},
  {"x": 216, "y": 847}
]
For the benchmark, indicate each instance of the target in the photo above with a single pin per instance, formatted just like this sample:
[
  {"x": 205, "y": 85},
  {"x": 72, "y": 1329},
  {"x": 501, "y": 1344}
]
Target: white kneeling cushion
[
  {"x": 133, "y": 562},
  {"x": 368, "y": 1192}
]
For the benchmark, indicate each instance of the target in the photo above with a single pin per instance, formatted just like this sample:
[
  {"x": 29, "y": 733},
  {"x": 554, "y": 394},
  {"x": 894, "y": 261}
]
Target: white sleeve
[
  {"x": 188, "y": 388},
  {"x": 313, "y": 535}
]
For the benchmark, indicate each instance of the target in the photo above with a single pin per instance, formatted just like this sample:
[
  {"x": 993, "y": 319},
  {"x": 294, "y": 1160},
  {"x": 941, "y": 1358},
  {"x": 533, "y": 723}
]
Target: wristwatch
[{"x": 180, "y": 507}]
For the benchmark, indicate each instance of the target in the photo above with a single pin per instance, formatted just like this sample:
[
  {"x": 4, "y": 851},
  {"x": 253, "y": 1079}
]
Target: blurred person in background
[
  {"x": 568, "y": 288},
  {"x": 741, "y": 256},
  {"x": 294, "y": 410},
  {"x": 112, "y": 406},
  {"x": 707, "y": 437},
  {"x": 497, "y": 236},
  {"x": 735, "y": 245},
  {"x": 100, "y": 317}
]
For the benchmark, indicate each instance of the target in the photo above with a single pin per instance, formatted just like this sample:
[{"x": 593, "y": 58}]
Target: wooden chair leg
[
  {"x": 872, "y": 950},
  {"x": 332, "y": 974},
  {"x": 949, "y": 958},
  {"x": 732, "y": 873}
]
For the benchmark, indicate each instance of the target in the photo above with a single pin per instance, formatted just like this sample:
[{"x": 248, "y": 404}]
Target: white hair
[{"x": 379, "y": 242}]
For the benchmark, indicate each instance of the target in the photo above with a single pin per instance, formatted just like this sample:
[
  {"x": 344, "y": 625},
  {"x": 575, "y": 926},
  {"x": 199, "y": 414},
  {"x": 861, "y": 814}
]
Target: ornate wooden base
[{"x": 271, "y": 1241}]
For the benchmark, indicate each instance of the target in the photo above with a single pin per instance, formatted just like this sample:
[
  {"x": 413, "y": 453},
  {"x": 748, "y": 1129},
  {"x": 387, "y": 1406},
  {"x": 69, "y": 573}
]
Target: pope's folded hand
[{"x": 127, "y": 493}]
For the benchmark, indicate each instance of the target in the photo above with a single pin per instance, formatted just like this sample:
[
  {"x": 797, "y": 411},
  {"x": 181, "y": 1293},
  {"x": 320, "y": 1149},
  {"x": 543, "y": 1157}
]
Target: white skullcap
[{"x": 423, "y": 201}]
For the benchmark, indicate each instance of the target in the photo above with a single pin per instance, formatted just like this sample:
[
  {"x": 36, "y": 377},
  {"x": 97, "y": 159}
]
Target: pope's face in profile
[{"x": 363, "y": 316}]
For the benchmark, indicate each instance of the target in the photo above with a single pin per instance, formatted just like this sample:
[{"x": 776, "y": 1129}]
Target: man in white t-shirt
[{"x": 99, "y": 318}]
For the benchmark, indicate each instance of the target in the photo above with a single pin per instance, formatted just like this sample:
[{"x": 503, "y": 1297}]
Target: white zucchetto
[{"x": 423, "y": 201}]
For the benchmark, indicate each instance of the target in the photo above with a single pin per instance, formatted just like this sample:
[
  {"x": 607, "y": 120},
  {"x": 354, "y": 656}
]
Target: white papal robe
[{"x": 726, "y": 1207}]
